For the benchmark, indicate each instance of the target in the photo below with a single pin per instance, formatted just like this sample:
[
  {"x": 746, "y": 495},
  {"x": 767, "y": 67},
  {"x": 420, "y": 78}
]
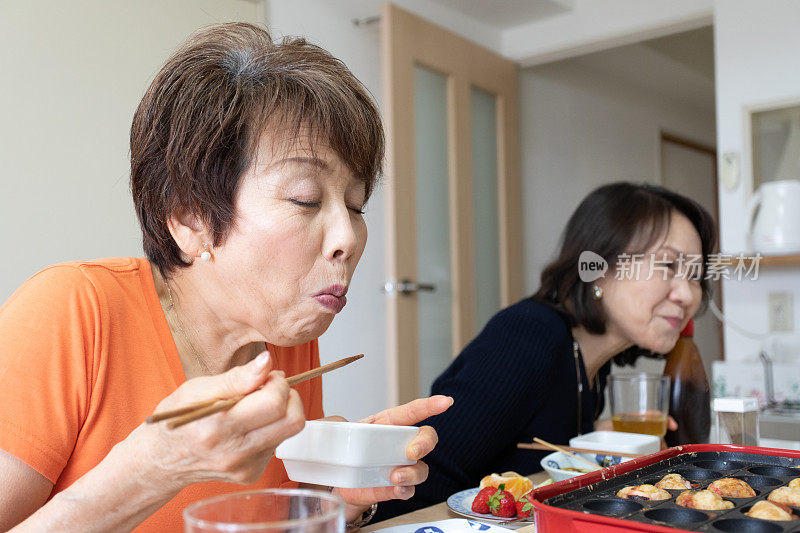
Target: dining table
[{"x": 440, "y": 511}]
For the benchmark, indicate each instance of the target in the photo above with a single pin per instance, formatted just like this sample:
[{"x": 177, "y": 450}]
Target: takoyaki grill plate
[{"x": 589, "y": 502}]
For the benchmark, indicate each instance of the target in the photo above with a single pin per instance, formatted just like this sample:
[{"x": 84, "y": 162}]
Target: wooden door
[{"x": 453, "y": 193}]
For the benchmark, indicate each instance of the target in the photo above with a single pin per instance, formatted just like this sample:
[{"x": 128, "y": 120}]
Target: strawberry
[
  {"x": 502, "y": 503},
  {"x": 524, "y": 506},
  {"x": 479, "y": 504}
]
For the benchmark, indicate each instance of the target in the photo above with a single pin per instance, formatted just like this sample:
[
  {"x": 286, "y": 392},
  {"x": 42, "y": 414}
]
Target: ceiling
[
  {"x": 679, "y": 67},
  {"x": 503, "y": 14},
  {"x": 694, "y": 49}
]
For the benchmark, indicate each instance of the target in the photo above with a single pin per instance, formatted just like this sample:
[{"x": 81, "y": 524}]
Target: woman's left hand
[
  {"x": 404, "y": 477},
  {"x": 672, "y": 425}
]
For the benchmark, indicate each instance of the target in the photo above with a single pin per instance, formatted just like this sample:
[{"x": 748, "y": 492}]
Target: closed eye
[{"x": 304, "y": 204}]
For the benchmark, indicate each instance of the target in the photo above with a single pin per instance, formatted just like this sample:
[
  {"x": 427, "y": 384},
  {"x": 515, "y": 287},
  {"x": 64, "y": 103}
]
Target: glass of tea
[
  {"x": 639, "y": 402},
  {"x": 267, "y": 511}
]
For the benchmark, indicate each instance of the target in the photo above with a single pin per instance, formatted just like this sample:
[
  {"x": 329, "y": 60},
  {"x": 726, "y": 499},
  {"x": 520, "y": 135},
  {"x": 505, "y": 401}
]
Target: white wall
[
  {"x": 581, "y": 129},
  {"x": 71, "y": 75},
  {"x": 756, "y": 63}
]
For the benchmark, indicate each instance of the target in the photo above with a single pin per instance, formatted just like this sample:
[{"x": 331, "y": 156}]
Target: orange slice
[{"x": 517, "y": 485}]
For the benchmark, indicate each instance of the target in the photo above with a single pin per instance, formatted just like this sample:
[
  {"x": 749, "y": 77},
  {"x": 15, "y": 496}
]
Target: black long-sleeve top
[{"x": 516, "y": 380}]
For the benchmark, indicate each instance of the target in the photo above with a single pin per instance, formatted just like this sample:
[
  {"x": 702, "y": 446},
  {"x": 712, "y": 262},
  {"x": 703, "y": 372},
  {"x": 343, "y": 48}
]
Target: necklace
[
  {"x": 576, "y": 352},
  {"x": 203, "y": 367}
]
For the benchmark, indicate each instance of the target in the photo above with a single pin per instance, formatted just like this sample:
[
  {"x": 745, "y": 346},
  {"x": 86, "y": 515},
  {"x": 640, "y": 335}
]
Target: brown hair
[
  {"x": 198, "y": 125},
  {"x": 608, "y": 222}
]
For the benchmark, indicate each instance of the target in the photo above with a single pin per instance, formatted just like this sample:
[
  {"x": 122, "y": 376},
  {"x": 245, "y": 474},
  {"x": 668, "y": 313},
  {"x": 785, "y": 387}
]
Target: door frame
[
  {"x": 409, "y": 40},
  {"x": 711, "y": 151}
]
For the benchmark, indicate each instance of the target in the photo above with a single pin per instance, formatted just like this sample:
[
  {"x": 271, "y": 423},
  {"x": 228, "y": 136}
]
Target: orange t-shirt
[{"x": 85, "y": 356}]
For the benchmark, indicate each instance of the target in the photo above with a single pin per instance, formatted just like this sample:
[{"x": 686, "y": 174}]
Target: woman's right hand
[
  {"x": 148, "y": 468},
  {"x": 234, "y": 445}
]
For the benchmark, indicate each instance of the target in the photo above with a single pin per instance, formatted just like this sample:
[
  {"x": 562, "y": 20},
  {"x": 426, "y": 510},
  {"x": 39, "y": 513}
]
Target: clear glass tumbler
[
  {"x": 639, "y": 402},
  {"x": 267, "y": 511}
]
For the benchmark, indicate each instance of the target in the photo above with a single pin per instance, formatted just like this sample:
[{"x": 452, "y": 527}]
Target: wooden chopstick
[
  {"x": 565, "y": 452},
  {"x": 195, "y": 411},
  {"x": 530, "y": 446}
]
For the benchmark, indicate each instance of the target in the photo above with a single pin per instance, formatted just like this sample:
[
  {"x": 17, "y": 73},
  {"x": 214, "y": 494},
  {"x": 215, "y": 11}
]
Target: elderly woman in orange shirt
[{"x": 251, "y": 163}]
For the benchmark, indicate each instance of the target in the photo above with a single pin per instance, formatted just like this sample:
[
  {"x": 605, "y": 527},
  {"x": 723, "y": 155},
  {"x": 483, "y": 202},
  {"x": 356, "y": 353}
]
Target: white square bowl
[
  {"x": 616, "y": 443},
  {"x": 346, "y": 454}
]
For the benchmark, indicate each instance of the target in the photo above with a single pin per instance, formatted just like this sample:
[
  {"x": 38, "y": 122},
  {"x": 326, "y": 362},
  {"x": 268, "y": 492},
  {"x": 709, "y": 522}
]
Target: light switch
[
  {"x": 781, "y": 311},
  {"x": 731, "y": 170}
]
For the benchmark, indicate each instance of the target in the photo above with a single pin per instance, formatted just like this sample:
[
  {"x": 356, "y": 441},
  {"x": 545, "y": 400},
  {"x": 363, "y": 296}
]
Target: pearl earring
[
  {"x": 205, "y": 255},
  {"x": 598, "y": 292}
]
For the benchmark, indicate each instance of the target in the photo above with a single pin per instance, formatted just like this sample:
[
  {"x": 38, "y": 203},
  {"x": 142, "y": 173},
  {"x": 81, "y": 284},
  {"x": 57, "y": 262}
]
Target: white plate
[{"x": 461, "y": 504}]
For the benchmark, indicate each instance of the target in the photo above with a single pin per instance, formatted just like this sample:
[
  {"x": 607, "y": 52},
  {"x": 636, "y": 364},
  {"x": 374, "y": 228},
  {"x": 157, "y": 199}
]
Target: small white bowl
[
  {"x": 555, "y": 463},
  {"x": 346, "y": 454}
]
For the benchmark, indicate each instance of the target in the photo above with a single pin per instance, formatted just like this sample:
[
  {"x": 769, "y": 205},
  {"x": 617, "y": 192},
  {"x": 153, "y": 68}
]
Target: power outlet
[{"x": 781, "y": 311}]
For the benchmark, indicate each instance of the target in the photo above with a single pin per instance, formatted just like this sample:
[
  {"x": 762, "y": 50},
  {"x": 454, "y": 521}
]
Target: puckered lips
[{"x": 333, "y": 297}]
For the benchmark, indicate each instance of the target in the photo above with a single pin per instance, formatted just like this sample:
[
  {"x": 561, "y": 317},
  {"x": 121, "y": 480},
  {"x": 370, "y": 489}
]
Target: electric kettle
[{"x": 774, "y": 218}]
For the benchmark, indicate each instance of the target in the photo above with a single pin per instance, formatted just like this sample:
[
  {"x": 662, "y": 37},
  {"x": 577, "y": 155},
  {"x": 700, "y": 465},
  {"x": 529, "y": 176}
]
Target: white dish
[
  {"x": 346, "y": 454},
  {"x": 461, "y": 504}
]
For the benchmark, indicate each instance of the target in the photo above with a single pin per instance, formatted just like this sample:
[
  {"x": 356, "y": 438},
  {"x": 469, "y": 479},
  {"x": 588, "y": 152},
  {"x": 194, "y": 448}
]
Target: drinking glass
[
  {"x": 267, "y": 511},
  {"x": 639, "y": 403}
]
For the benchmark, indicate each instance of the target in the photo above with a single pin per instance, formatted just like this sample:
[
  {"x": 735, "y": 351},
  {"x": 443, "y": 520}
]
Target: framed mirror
[{"x": 775, "y": 142}]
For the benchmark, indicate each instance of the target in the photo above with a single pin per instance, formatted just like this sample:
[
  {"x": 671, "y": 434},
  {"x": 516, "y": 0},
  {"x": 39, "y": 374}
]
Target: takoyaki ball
[
  {"x": 786, "y": 495},
  {"x": 702, "y": 499},
  {"x": 730, "y": 487},
  {"x": 674, "y": 482},
  {"x": 643, "y": 492},
  {"x": 766, "y": 510}
]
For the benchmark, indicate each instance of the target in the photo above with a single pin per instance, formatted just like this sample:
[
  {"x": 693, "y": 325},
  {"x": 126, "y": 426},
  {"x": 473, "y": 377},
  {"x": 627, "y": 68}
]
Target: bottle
[
  {"x": 690, "y": 397},
  {"x": 737, "y": 421}
]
